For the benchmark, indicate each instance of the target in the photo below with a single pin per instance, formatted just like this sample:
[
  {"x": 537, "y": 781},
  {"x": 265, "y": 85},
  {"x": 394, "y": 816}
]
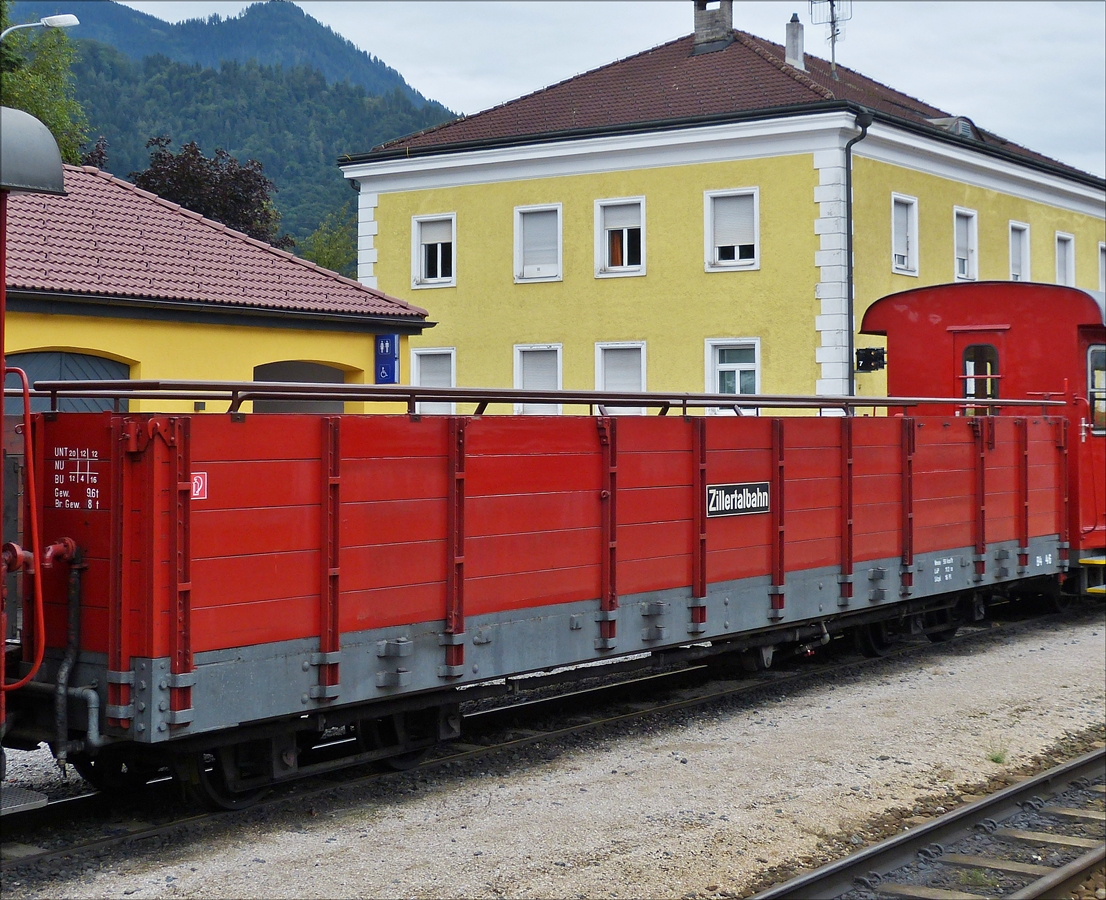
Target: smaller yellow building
[{"x": 114, "y": 282}]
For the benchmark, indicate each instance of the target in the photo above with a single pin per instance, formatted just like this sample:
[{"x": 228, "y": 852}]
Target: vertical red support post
[
  {"x": 777, "y": 589},
  {"x": 608, "y": 496},
  {"x": 699, "y": 541},
  {"x": 454, "y": 637},
  {"x": 330, "y": 636},
  {"x": 1021, "y": 428},
  {"x": 979, "y": 425},
  {"x": 120, "y": 676},
  {"x": 1062, "y": 445},
  {"x": 181, "y": 674},
  {"x": 846, "y": 576},
  {"x": 908, "y": 448}
]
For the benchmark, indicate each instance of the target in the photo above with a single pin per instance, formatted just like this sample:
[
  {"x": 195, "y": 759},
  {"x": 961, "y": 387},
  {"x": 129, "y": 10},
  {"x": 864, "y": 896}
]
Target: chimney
[
  {"x": 795, "y": 56},
  {"x": 713, "y": 25}
]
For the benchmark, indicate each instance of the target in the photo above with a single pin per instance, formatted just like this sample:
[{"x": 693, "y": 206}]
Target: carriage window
[
  {"x": 980, "y": 377},
  {"x": 1096, "y": 387}
]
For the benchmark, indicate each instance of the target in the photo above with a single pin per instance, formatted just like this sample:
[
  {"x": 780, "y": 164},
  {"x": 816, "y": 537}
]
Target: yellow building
[
  {"x": 112, "y": 282},
  {"x": 678, "y": 221}
]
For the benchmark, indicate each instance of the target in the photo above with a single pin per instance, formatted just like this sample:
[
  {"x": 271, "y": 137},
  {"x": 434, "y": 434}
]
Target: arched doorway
[
  {"x": 59, "y": 365},
  {"x": 298, "y": 370}
]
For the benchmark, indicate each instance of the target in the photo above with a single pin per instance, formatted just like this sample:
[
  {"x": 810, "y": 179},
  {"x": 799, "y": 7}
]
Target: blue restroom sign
[{"x": 387, "y": 359}]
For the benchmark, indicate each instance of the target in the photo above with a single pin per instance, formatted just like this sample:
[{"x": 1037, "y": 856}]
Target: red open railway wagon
[{"x": 247, "y": 597}]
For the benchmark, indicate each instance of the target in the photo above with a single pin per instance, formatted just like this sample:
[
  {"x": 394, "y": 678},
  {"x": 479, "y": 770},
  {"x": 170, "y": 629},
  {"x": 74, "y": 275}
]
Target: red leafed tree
[{"x": 220, "y": 188}]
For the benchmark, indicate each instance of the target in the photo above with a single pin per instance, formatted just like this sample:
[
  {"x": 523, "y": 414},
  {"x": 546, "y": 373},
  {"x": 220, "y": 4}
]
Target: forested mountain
[
  {"x": 290, "y": 120},
  {"x": 292, "y": 95},
  {"x": 273, "y": 33}
]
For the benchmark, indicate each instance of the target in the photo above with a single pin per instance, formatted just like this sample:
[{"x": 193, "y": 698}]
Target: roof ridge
[
  {"x": 232, "y": 232},
  {"x": 514, "y": 100},
  {"x": 752, "y": 42}
]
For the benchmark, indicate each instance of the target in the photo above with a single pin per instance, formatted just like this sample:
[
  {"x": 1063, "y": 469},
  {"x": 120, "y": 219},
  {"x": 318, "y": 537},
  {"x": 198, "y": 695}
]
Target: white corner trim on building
[
  {"x": 832, "y": 322},
  {"x": 367, "y": 228}
]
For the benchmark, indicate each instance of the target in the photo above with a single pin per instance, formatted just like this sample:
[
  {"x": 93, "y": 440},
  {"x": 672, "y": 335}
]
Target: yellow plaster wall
[
  {"x": 674, "y": 307},
  {"x": 158, "y": 350},
  {"x": 873, "y": 184}
]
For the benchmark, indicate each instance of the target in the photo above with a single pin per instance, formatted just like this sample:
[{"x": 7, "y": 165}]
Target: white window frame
[
  {"x": 417, "y": 281},
  {"x": 600, "y": 346},
  {"x": 710, "y": 264},
  {"x": 1021, "y": 229},
  {"x": 1067, "y": 241},
  {"x": 972, "y": 262},
  {"x": 911, "y": 267},
  {"x": 602, "y": 270},
  {"x": 416, "y": 369},
  {"x": 520, "y": 211},
  {"x": 711, "y": 346},
  {"x": 1102, "y": 265},
  {"x": 523, "y": 348}
]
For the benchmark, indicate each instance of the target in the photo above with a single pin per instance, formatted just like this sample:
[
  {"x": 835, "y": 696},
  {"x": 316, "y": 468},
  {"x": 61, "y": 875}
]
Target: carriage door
[
  {"x": 1092, "y": 448},
  {"x": 978, "y": 359}
]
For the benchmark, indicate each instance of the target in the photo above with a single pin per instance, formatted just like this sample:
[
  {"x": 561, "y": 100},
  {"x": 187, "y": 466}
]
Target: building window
[
  {"x": 1065, "y": 259},
  {"x": 732, "y": 225},
  {"x": 538, "y": 368},
  {"x": 732, "y": 367},
  {"x": 620, "y": 368},
  {"x": 433, "y": 239},
  {"x": 1019, "y": 252},
  {"x": 434, "y": 367},
  {"x": 904, "y": 234},
  {"x": 620, "y": 237},
  {"x": 966, "y": 238},
  {"x": 538, "y": 243}
]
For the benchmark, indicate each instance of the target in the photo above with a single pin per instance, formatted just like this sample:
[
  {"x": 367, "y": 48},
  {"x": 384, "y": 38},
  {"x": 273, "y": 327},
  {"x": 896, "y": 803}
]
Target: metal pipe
[
  {"x": 406, "y": 394},
  {"x": 91, "y": 698},
  {"x": 67, "y": 550},
  {"x": 864, "y": 121}
]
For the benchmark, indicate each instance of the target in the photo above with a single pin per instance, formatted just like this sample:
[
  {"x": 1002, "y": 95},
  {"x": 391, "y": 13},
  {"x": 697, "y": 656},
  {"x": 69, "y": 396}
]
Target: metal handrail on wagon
[{"x": 237, "y": 393}]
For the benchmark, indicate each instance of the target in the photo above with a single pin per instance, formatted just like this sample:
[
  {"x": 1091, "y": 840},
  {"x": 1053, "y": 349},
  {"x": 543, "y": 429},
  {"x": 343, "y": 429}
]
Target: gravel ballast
[{"x": 709, "y": 803}]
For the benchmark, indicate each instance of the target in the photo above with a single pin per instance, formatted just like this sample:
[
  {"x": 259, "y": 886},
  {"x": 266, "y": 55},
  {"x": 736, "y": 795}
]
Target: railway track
[
  {"x": 91, "y": 824},
  {"x": 1041, "y": 837}
]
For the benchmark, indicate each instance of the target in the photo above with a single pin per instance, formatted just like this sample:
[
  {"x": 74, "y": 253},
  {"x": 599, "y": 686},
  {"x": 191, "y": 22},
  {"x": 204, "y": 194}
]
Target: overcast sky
[{"x": 1034, "y": 73}]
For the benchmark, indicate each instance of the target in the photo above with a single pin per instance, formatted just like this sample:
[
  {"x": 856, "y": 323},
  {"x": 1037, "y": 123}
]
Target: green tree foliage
[
  {"x": 36, "y": 77},
  {"x": 290, "y": 120},
  {"x": 219, "y": 188},
  {"x": 333, "y": 245}
]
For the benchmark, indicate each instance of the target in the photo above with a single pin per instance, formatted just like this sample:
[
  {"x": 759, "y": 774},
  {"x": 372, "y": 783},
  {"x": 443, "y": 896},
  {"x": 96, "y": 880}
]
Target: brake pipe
[{"x": 22, "y": 561}]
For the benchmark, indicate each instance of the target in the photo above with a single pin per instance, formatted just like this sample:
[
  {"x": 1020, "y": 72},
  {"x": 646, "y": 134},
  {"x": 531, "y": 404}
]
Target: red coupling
[
  {"x": 16, "y": 559},
  {"x": 63, "y": 549}
]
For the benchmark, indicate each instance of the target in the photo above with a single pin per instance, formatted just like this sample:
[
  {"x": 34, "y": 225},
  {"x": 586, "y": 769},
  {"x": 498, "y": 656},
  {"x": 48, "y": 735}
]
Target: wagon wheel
[
  {"x": 205, "y": 776},
  {"x": 113, "y": 772},
  {"x": 873, "y": 639},
  {"x": 391, "y": 731}
]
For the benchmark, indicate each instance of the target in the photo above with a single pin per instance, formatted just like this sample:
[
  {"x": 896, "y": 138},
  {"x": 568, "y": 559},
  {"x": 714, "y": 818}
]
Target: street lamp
[{"x": 63, "y": 21}]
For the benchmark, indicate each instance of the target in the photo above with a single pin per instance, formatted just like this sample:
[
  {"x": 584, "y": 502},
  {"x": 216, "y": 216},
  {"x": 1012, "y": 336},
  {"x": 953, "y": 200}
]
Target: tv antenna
[{"x": 832, "y": 13}]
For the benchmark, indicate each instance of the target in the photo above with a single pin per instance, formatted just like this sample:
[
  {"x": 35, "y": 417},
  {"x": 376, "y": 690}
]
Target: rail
[{"x": 237, "y": 393}]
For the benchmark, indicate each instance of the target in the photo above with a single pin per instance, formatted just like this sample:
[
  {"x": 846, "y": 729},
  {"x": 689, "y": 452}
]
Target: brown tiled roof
[
  {"x": 109, "y": 238},
  {"x": 668, "y": 83}
]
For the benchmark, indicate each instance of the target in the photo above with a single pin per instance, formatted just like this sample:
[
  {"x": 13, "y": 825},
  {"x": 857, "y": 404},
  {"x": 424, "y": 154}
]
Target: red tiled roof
[
  {"x": 109, "y": 238},
  {"x": 667, "y": 83}
]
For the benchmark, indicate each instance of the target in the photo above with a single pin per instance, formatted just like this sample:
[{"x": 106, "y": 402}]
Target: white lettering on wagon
[
  {"x": 944, "y": 569},
  {"x": 76, "y": 478},
  {"x": 738, "y": 499}
]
